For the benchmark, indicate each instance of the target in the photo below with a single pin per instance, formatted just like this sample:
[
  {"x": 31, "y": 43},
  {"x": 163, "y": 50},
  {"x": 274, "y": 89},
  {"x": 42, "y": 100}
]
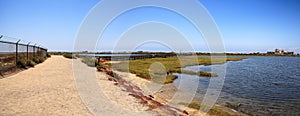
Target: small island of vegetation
[{"x": 172, "y": 65}]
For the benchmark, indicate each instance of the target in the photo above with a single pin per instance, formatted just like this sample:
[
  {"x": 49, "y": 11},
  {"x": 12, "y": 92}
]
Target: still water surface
[{"x": 262, "y": 85}]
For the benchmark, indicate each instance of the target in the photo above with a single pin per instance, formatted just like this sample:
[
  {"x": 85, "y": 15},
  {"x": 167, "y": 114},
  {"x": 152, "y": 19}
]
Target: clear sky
[{"x": 245, "y": 25}]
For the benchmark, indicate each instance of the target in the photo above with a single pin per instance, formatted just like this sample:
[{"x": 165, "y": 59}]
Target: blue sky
[{"x": 245, "y": 25}]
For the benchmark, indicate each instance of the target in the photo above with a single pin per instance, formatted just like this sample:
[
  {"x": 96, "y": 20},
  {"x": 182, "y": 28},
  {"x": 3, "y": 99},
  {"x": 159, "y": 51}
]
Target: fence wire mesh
[{"x": 13, "y": 52}]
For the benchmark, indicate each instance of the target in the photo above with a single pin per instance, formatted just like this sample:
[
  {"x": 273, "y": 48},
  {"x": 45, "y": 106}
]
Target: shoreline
[{"x": 164, "y": 93}]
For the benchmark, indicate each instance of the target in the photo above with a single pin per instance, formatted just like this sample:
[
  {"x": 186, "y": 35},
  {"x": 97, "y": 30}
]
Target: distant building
[{"x": 280, "y": 52}]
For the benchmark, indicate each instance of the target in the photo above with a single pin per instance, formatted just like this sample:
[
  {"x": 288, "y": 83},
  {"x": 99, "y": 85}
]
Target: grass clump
[
  {"x": 207, "y": 74},
  {"x": 21, "y": 63},
  {"x": 38, "y": 60},
  {"x": 213, "y": 111},
  {"x": 30, "y": 63},
  {"x": 100, "y": 67},
  {"x": 233, "y": 106},
  {"x": 24, "y": 64},
  {"x": 69, "y": 55},
  {"x": 200, "y": 73},
  {"x": 170, "y": 78},
  {"x": 48, "y": 55},
  {"x": 90, "y": 61}
]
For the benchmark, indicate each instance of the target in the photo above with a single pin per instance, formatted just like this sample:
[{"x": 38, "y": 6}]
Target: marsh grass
[
  {"x": 172, "y": 65},
  {"x": 213, "y": 111},
  {"x": 90, "y": 61}
]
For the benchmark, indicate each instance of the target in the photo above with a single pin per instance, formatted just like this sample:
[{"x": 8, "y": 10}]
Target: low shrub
[
  {"x": 30, "y": 63},
  {"x": 48, "y": 55},
  {"x": 38, "y": 60},
  {"x": 21, "y": 63},
  {"x": 42, "y": 60},
  {"x": 90, "y": 61},
  {"x": 99, "y": 67},
  {"x": 69, "y": 55}
]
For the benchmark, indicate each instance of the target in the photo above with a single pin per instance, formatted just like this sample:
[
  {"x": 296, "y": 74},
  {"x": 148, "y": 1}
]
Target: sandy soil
[
  {"x": 167, "y": 94},
  {"x": 46, "y": 89}
]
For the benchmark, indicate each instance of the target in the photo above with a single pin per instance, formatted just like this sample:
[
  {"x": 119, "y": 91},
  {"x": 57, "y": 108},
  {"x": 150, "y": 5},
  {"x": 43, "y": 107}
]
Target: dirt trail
[{"x": 46, "y": 89}]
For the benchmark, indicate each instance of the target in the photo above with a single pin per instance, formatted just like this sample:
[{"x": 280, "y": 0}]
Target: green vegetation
[
  {"x": 30, "y": 63},
  {"x": 90, "y": 61},
  {"x": 38, "y": 60},
  {"x": 69, "y": 55},
  {"x": 24, "y": 64},
  {"x": 21, "y": 63},
  {"x": 233, "y": 106},
  {"x": 172, "y": 65},
  {"x": 200, "y": 73},
  {"x": 213, "y": 111},
  {"x": 99, "y": 67},
  {"x": 48, "y": 55}
]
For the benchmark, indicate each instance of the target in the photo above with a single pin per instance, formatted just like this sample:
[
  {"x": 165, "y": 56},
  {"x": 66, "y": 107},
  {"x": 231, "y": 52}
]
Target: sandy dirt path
[{"x": 46, "y": 89}]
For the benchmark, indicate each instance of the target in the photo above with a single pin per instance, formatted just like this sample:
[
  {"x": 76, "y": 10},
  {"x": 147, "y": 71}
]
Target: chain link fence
[{"x": 13, "y": 51}]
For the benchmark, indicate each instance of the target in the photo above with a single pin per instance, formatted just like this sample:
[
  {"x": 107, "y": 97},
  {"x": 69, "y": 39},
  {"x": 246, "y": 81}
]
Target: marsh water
[{"x": 261, "y": 85}]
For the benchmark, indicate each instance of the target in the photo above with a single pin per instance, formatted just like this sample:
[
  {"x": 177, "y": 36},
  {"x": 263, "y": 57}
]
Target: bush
[
  {"x": 41, "y": 60},
  {"x": 38, "y": 60},
  {"x": 21, "y": 63},
  {"x": 69, "y": 55},
  {"x": 30, "y": 63},
  {"x": 99, "y": 67},
  {"x": 90, "y": 61},
  {"x": 48, "y": 55}
]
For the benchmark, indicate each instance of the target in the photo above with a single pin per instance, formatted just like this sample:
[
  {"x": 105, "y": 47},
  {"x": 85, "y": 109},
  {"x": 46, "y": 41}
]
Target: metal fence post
[
  {"x": 27, "y": 51},
  {"x": 38, "y": 51},
  {"x": 17, "y": 51},
  {"x": 34, "y": 51}
]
